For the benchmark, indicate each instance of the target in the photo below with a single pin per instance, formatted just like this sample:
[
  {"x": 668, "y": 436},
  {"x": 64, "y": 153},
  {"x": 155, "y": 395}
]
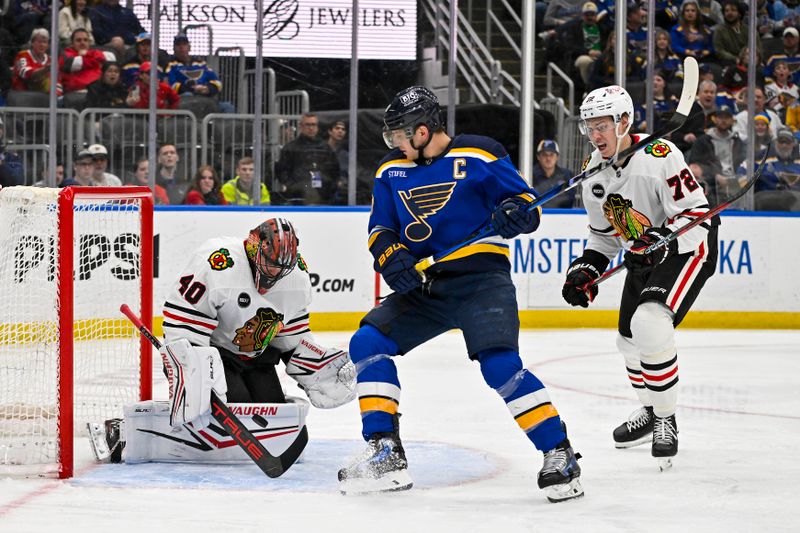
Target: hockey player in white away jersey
[
  {"x": 240, "y": 304},
  {"x": 631, "y": 205}
]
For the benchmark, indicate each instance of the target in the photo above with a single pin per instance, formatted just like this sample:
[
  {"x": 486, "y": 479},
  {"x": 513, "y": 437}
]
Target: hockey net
[{"x": 70, "y": 258}]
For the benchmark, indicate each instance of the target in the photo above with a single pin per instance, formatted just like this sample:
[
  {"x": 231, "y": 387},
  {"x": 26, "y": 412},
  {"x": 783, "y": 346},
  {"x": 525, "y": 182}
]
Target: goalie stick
[
  {"x": 271, "y": 465},
  {"x": 666, "y": 239},
  {"x": 691, "y": 78}
]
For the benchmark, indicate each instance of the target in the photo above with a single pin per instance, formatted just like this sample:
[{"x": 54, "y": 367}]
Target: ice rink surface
[{"x": 738, "y": 417}]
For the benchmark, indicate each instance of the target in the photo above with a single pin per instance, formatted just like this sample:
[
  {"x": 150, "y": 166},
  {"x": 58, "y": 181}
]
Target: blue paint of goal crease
[{"x": 431, "y": 465}]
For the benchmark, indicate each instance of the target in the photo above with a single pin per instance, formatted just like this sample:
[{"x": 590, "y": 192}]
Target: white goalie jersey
[
  {"x": 216, "y": 303},
  {"x": 655, "y": 187}
]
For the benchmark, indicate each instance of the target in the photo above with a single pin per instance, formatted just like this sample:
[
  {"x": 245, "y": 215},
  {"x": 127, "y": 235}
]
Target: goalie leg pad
[
  {"x": 150, "y": 437},
  {"x": 654, "y": 336},
  {"x": 192, "y": 373}
]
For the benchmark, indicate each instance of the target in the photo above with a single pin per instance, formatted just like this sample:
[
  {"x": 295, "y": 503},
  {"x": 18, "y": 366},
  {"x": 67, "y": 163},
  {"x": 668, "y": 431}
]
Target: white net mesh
[{"x": 106, "y": 248}]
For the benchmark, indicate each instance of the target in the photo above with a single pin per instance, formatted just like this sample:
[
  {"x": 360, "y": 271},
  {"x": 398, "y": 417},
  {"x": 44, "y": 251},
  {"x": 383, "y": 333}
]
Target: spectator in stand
[
  {"x": 205, "y": 189},
  {"x": 109, "y": 90},
  {"x": 740, "y": 125},
  {"x": 84, "y": 169},
  {"x": 664, "y": 105},
  {"x": 763, "y": 136},
  {"x": 168, "y": 176},
  {"x": 28, "y": 15},
  {"x": 731, "y": 36},
  {"x": 336, "y": 135},
  {"x": 789, "y": 55},
  {"x": 636, "y": 33},
  {"x": 139, "y": 93},
  {"x": 11, "y": 171},
  {"x": 32, "y": 66},
  {"x": 547, "y": 174},
  {"x": 781, "y": 93},
  {"x": 716, "y": 156},
  {"x": 734, "y": 77},
  {"x": 707, "y": 97},
  {"x": 666, "y": 60},
  {"x": 42, "y": 181},
  {"x": 237, "y": 191},
  {"x": 100, "y": 177},
  {"x": 711, "y": 12},
  {"x": 190, "y": 75},
  {"x": 141, "y": 54},
  {"x": 141, "y": 177},
  {"x": 561, "y": 11},
  {"x": 74, "y": 16},
  {"x": 308, "y": 170},
  {"x": 603, "y": 69},
  {"x": 783, "y": 165},
  {"x": 80, "y": 65},
  {"x": 691, "y": 37},
  {"x": 583, "y": 41},
  {"x": 110, "y": 20}
]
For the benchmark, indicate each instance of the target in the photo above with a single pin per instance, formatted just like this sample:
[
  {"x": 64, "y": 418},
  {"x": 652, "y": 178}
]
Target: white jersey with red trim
[
  {"x": 655, "y": 187},
  {"x": 215, "y": 302}
]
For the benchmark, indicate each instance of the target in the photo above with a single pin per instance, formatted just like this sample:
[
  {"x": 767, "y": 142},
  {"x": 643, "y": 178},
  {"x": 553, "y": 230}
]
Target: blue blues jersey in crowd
[{"x": 431, "y": 206}]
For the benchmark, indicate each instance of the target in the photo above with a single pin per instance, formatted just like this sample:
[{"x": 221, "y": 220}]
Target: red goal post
[{"x": 71, "y": 257}]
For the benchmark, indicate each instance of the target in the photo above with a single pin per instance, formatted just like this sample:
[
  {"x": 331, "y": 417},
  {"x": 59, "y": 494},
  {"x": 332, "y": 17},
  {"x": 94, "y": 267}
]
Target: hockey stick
[
  {"x": 691, "y": 78},
  {"x": 666, "y": 239},
  {"x": 271, "y": 465}
]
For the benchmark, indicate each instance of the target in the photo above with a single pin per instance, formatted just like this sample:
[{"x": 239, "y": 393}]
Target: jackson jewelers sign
[{"x": 295, "y": 28}]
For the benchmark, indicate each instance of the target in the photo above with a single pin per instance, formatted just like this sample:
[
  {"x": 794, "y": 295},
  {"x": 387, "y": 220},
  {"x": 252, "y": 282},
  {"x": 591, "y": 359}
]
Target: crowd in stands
[
  {"x": 579, "y": 36},
  {"x": 104, "y": 61}
]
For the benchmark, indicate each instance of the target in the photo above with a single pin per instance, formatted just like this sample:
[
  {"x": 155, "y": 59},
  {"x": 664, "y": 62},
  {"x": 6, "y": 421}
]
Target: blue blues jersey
[{"x": 430, "y": 207}]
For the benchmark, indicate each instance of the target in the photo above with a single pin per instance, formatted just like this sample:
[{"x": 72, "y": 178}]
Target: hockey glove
[
  {"x": 638, "y": 262},
  {"x": 396, "y": 265},
  {"x": 577, "y": 288},
  {"x": 326, "y": 374},
  {"x": 513, "y": 217}
]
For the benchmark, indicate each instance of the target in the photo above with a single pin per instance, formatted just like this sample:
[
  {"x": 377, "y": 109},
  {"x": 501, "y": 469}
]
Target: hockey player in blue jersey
[{"x": 432, "y": 191}]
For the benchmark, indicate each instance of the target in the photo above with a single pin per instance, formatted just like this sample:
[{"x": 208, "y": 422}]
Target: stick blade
[{"x": 691, "y": 78}]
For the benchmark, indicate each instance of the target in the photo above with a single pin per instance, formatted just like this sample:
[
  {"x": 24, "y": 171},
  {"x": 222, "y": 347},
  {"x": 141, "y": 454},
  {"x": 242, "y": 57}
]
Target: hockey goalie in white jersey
[
  {"x": 240, "y": 306},
  {"x": 631, "y": 205}
]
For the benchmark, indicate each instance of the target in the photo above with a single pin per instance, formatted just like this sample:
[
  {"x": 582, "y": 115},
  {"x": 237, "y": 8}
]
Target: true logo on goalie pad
[{"x": 220, "y": 259}]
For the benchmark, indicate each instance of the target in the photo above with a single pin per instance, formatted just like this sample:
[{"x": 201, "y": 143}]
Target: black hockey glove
[
  {"x": 513, "y": 217},
  {"x": 577, "y": 288},
  {"x": 640, "y": 263},
  {"x": 396, "y": 265}
]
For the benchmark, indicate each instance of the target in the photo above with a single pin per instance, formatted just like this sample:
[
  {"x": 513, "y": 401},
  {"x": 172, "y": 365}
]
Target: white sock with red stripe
[
  {"x": 634, "y": 368},
  {"x": 654, "y": 336}
]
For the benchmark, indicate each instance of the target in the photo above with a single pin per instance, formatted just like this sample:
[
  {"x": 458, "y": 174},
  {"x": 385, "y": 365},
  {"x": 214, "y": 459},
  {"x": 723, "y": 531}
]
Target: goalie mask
[
  {"x": 272, "y": 251},
  {"x": 412, "y": 107}
]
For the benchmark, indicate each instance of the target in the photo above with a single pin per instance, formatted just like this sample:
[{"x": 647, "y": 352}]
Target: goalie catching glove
[
  {"x": 193, "y": 372},
  {"x": 327, "y": 375}
]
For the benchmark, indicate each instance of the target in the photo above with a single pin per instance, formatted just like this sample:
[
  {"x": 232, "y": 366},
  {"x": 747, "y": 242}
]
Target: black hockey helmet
[
  {"x": 271, "y": 248},
  {"x": 410, "y": 108}
]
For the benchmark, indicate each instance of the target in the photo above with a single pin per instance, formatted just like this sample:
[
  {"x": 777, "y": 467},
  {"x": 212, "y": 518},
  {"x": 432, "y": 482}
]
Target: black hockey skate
[
  {"x": 560, "y": 473},
  {"x": 381, "y": 468},
  {"x": 637, "y": 430},
  {"x": 107, "y": 440},
  {"x": 665, "y": 441}
]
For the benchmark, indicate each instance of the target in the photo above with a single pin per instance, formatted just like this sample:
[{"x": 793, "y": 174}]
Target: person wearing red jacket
[
  {"x": 80, "y": 65},
  {"x": 139, "y": 94},
  {"x": 32, "y": 66}
]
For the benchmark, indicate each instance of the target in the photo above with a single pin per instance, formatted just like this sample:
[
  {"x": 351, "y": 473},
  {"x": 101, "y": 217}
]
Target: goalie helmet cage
[{"x": 67, "y": 356}]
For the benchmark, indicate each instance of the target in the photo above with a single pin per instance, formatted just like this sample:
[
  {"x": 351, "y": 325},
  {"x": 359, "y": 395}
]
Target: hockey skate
[
  {"x": 107, "y": 440},
  {"x": 381, "y": 468},
  {"x": 560, "y": 473},
  {"x": 637, "y": 430},
  {"x": 665, "y": 441}
]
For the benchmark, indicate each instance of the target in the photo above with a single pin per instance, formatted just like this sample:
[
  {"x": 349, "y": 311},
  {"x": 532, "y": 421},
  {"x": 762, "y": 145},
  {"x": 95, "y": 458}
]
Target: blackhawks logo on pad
[
  {"x": 657, "y": 149},
  {"x": 220, "y": 259}
]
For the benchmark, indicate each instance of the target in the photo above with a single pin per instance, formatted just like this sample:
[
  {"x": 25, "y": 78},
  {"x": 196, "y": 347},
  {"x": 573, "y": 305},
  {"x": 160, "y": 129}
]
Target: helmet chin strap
[
  {"x": 424, "y": 145},
  {"x": 620, "y": 136}
]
